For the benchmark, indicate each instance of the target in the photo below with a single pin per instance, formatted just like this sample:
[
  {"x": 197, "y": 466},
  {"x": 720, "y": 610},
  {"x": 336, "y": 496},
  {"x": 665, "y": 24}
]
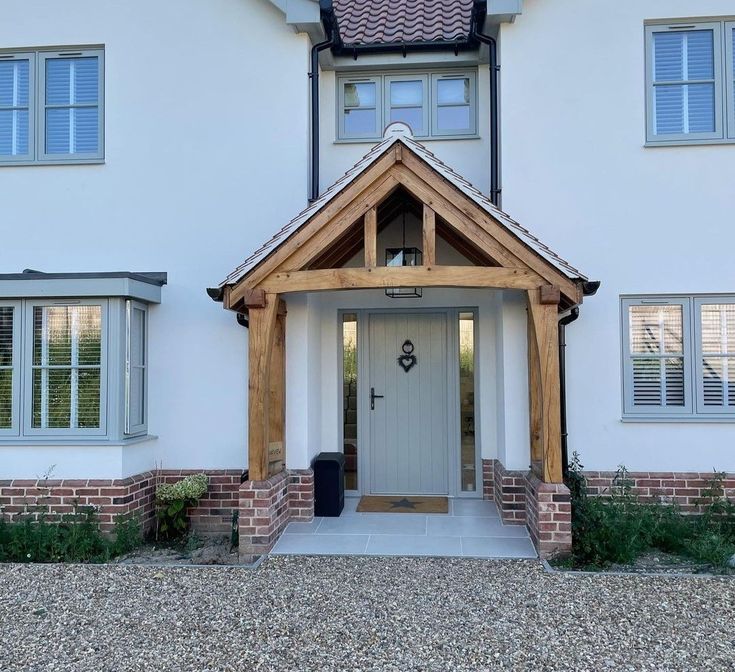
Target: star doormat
[{"x": 402, "y": 504}]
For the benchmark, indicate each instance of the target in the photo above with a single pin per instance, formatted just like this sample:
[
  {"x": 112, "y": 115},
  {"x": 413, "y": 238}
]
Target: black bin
[{"x": 329, "y": 484}]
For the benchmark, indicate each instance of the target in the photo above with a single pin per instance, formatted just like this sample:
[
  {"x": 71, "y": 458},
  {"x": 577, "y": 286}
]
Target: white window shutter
[{"x": 715, "y": 330}]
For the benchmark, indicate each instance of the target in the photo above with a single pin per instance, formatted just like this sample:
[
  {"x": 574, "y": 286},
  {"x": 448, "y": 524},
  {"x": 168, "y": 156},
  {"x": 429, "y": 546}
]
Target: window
[
  {"x": 690, "y": 95},
  {"x": 9, "y": 356},
  {"x": 434, "y": 105},
  {"x": 135, "y": 367},
  {"x": 679, "y": 357},
  {"x": 51, "y": 106}
]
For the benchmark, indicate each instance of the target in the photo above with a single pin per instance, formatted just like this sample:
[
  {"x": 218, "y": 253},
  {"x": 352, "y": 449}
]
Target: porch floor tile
[{"x": 470, "y": 529}]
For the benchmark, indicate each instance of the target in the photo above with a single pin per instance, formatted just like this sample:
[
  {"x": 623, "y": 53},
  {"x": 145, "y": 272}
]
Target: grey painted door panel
[{"x": 408, "y": 427}]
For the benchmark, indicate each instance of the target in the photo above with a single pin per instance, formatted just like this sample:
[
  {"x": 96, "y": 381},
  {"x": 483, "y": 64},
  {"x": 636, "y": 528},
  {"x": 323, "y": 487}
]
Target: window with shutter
[
  {"x": 16, "y": 107},
  {"x": 715, "y": 332},
  {"x": 9, "y": 362},
  {"x": 135, "y": 367},
  {"x": 656, "y": 362},
  {"x": 51, "y": 106},
  {"x": 690, "y": 95},
  {"x": 66, "y": 383}
]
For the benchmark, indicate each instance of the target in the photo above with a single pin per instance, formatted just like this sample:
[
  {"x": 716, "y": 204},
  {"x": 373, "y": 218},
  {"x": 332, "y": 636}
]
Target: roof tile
[{"x": 363, "y": 22}]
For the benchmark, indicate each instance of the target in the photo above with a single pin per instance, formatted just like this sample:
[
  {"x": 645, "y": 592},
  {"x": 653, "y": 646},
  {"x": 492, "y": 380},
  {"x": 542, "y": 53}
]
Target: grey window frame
[
  {"x": 130, "y": 429},
  {"x": 436, "y": 77},
  {"x": 407, "y": 77},
  {"x": 692, "y": 410},
  {"x": 697, "y": 303},
  {"x": 382, "y": 80},
  {"x": 341, "y": 81},
  {"x": 30, "y": 56},
  {"x": 629, "y": 408},
  {"x": 37, "y": 107},
  {"x": 27, "y": 339},
  {"x": 723, "y": 107},
  {"x": 16, "y": 401},
  {"x": 729, "y": 36}
]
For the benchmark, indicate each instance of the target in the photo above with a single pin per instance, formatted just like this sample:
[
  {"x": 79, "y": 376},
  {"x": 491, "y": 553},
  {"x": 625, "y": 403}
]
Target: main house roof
[
  {"x": 365, "y": 22},
  {"x": 382, "y": 148}
]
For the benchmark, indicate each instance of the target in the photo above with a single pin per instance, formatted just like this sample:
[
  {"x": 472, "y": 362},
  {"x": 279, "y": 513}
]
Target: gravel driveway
[{"x": 399, "y": 614}]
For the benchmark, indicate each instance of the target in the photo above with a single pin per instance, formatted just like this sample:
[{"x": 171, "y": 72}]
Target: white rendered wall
[
  {"x": 641, "y": 220},
  {"x": 206, "y": 157}
]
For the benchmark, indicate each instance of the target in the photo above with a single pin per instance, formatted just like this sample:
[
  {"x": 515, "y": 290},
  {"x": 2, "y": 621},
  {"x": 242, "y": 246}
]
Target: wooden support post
[
  {"x": 371, "y": 238},
  {"x": 429, "y": 236},
  {"x": 261, "y": 330},
  {"x": 545, "y": 410},
  {"x": 277, "y": 399}
]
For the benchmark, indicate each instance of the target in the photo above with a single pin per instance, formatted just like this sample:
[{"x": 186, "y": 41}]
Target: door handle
[{"x": 373, "y": 397}]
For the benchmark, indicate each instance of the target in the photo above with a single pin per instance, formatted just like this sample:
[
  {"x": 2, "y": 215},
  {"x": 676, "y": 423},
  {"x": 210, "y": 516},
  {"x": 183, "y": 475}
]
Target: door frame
[{"x": 454, "y": 441}]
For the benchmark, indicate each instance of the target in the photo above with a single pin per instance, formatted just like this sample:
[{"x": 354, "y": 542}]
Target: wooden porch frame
[{"x": 287, "y": 269}]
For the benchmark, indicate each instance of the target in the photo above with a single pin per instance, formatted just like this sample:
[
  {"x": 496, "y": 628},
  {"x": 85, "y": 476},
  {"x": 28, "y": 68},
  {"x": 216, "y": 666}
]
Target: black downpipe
[
  {"x": 563, "y": 322},
  {"x": 492, "y": 44},
  {"x": 327, "y": 21}
]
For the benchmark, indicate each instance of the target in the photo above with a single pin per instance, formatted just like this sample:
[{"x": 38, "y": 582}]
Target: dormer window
[{"x": 434, "y": 104}]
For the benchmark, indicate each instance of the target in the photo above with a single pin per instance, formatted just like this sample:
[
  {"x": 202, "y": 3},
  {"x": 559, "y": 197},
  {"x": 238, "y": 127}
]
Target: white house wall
[
  {"x": 205, "y": 157},
  {"x": 641, "y": 220}
]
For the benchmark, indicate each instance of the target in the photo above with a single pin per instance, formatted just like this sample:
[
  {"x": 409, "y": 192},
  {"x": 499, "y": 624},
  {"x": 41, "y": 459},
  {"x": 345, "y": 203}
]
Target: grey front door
[{"x": 408, "y": 408}]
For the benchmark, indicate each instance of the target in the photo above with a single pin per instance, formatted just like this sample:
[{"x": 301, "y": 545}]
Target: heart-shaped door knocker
[{"x": 407, "y": 360}]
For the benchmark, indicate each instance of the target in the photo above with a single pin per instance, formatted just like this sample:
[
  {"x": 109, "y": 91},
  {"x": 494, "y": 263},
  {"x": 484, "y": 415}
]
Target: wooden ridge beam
[{"x": 405, "y": 276}]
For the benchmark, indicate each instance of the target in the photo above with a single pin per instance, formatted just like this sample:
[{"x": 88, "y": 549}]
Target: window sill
[
  {"x": 674, "y": 419},
  {"x": 422, "y": 140},
  {"x": 53, "y": 162},
  {"x": 82, "y": 441},
  {"x": 688, "y": 143}
]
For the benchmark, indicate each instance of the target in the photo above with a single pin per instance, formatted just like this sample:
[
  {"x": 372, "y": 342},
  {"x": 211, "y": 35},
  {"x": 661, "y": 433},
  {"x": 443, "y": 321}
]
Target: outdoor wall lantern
[{"x": 403, "y": 256}]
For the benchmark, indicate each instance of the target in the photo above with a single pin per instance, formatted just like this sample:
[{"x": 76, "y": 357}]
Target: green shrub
[
  {"x": 75, "y": 537},
  {"x": 619, "y": 528},
  {"x": 172, "y": 502}
]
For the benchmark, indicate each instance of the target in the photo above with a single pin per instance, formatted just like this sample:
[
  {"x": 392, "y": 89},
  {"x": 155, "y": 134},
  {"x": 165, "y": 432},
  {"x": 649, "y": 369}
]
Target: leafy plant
[{"x": 172, "y": 502}]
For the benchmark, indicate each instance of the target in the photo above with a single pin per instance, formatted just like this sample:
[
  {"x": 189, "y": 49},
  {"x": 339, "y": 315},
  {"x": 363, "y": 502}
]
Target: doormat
[{"x": 402, "y": 504}]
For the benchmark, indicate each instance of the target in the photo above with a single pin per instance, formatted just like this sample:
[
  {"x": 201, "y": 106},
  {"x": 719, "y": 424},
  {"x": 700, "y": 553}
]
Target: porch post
[
  {"x": 277, "y": 396},
  {"x": 262, "y": 318},
  {"x": 543, "y": 374}
]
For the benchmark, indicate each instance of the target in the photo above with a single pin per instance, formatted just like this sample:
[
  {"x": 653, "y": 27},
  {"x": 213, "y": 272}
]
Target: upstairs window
[
  {"x": 433, "y": 104},
  {"x": 690, "y": 77},
  {"x": 51, "y": 106},
  {"x": 679, "y": 357}
]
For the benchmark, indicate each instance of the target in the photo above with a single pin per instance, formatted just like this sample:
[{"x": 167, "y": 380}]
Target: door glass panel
[
  {"x": 349, "y": 398},
  {"x": 468, "y": 466}
]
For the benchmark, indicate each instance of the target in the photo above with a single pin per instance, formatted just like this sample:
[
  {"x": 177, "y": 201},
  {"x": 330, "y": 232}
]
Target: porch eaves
[{"x": 441, "y": 168}]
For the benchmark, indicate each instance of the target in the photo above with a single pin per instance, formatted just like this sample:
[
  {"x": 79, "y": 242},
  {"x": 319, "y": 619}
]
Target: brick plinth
[
  {"x": 509, "y": 489},
  {"x": 301, "y": 494},
  {"x": 548, "y": 516},
  {"x": 133, "y": 496},
  {"x": 488, "y": 474},
  {"x": 686, "y": 489}
]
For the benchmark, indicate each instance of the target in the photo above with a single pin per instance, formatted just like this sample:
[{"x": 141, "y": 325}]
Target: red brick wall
[
  {"x": 301, "y": 494},
  {"x": 264, "y": 513},
  {"x": 112, "y": 497},
  {"x": 684, "y": 488},
  {"x": 510, "y": 494},
  {"x": 488, "y": 469},
  {"x": 548, "y": 516}
]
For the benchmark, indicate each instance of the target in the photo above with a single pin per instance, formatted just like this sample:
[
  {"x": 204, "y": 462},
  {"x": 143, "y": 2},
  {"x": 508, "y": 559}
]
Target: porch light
[{"x": 403, "y": 256}]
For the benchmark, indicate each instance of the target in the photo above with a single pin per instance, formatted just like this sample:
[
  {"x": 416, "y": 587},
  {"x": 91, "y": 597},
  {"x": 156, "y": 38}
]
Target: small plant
[{"x": 172, "y": 502}]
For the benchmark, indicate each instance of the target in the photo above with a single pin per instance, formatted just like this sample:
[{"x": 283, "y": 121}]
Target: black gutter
[
  {"x": 589, "y": 288},
  {"x": 330, "y": 26},
  {"x": 479, "y": 12},
  {"x": 356, "y": 50}
]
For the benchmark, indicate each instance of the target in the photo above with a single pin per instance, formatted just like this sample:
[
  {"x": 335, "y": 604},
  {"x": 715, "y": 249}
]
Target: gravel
[{"x": 359, "y": 614}]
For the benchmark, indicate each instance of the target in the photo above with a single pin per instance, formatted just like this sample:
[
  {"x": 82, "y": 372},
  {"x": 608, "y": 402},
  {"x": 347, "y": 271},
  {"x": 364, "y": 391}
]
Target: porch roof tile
[
  {"x": 440, "y": 167},
  {"x": 363, "y": 22}
]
